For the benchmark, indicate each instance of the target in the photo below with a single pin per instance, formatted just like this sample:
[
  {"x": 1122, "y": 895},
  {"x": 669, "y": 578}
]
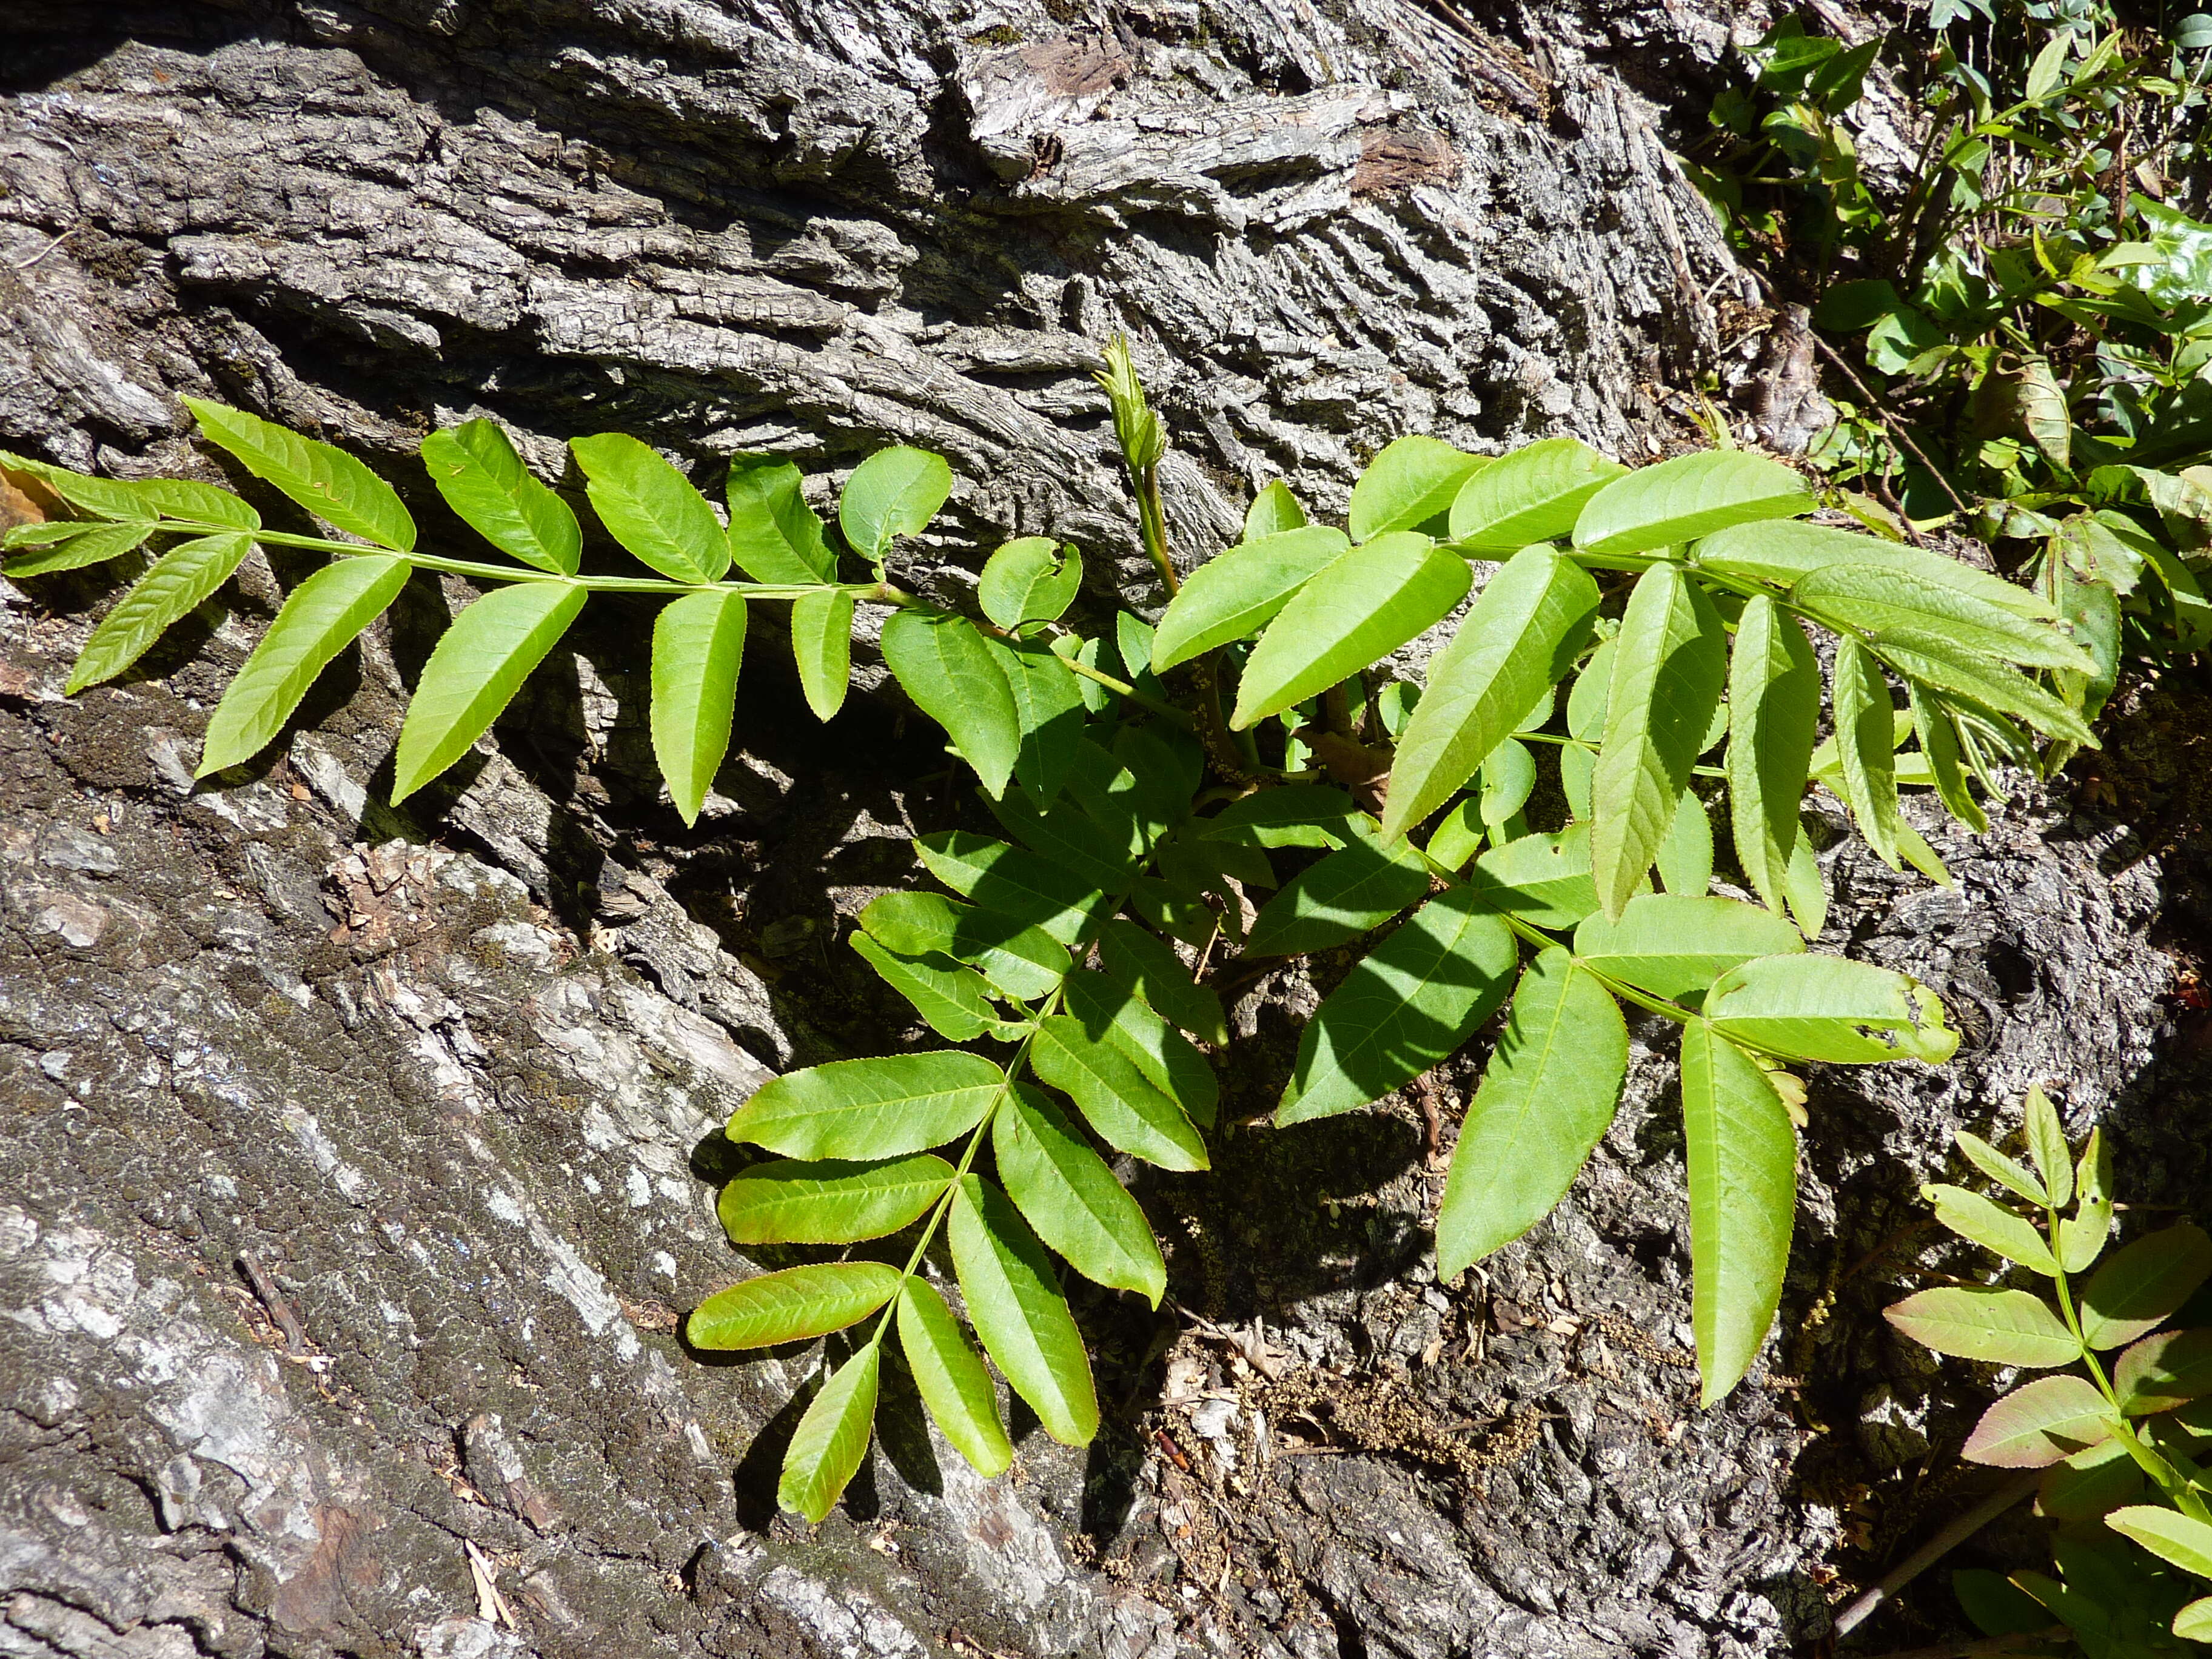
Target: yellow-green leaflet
[
  {"x": 793, "y": 1304},
  {"x": 832, "y": 1437},
  {"x": 319, "y": 620},
  {"x": 1774, "y": 704},
  {"x": 1409, "y": 485},
  {"x": 1741, "y": 1152},
  {"x": 833, "y": 1201},
  {"x": 180, "y": 582},
  {"x": 1017, "y": 1309},
  {"x": 952, "y": 1380},
  {"x": 475, "y": 672},
  {"x": 475, "y": 469},
  {"x": 1547, "y": 1095},
  {"x": 1067, "y": 1194},
  {"x": 821, "y": 647},
  {"x": 948, "y": 669},
  {"x": 651, "y": 508},
  {"x": 866, "y": 1108},
  {"x": 895, "y": 492},
  {"x": 1687, "y": 497},
  {"x": 327, "y": 481},
  {"x": 698, "y": 645}
]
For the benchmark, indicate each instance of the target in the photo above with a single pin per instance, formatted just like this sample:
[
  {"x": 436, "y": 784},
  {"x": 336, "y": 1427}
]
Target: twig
[
  {"x": 2013, "y": 1491},
  {"x": 281, "y": 1312},
  {"x": 54, "y": 243}
]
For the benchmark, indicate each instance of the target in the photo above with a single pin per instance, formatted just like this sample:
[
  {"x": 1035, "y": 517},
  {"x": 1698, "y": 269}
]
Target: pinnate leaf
[
  {"x": 831, "y": 1201},
  {"x": 1012, "y": 881},
  {"x": 187, "y": 498},
  {"x": 327, "y": 481},
  {"x": 1526, "y": 630},
  {"x": 2004, "y": 1170},
  {"x": 832, "y": 1437},
  {"x": 1022, "y": 960},
  {"x": 1866, "y": 748},
  {"x": 1774, "y": 707},
  {"x": 1543, "y": 879},
  {"x": 1881, "y": 603},
  {"x": 651, "y": 508},
  {"x": 773, "y": 535},
  {"x": 478, "y": 666},
  {"x": 1548, "y": 1096},
  {"x": 1067, "y": 1194},
  {"x": 2046, "y": 1144},
  {"x": 1110, "y": 1014},
  {"x": 72, "y": 546},
  {"x": 1033, "y": 580},
  {"x": 2143, "y": 1283},
  {"x": 1354, "y": 889},
  {"x": 895, "y": 492},
  {"x": 1273, "y": 509},
  {"x": 1119, "y": 1102},
  {"x": 1991, "y": 1226},
  {"x": 698, "y": 645},
  {"x": 1015, "y": 1303},
  {"x": 1673, "y": 945},
  {"x": 1780, "y": 550},
  {"x": 1669, "y": 662},
  {"x": 821, "y": 647},
  {"x": 1687, "y": 497},
  {"x": 1534, "y": 494},
  {"x": 791, "y": 1305},
  {"x": 2165, "y": 1369},
  {"x": 2002, "y": 1327},
  {"x": 952, "y": 1380},
  {"x": 2040, "y": 1423},
  {"x": 178, "y": 583},
  {"x": 2168, "y": 1535},
  {"x": 1362, "y": 607},
  {"x": 1147, "y": 965},
  {"x": 475, "y": 469},
  {"x": 1406, "y": 1006},
  {"x": 317, "y": 620},
  {"x": 955, "y": 1000},
  {"x": 1742, "y": 1150},
  {"x": 870, "y": 1108}
]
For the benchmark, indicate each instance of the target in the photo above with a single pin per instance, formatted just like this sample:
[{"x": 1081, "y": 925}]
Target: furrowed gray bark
[{"x": 362, "y": 1163}]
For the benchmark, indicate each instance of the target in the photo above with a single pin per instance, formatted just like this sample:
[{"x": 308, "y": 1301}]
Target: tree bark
[{"x": 364, "y": 1161}]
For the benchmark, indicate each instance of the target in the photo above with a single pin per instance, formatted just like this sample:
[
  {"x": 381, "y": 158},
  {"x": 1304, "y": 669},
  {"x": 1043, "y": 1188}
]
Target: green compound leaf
[
  {"x": 1523, "y": 634},
  {"x": 2185, "y": 1541},
  {"x": 1673, "y": 945},
  {"x": 317, "y": 620},
  {"x": 1087, "y": 851},
  {"x": 71, "y": 546},
  {"x": 1939, "y": 747},
  {"x": 1809, "y": 1007},
  {"x": 2194, "y": 1622},
  {"x": 1409, "y": 485},
  {"x": 1011, "y": 881},
  {"x": 1364, "y": 606},
  {"x": 184, "y": 498},
  {"x": 1408, "y": 1004},
  {"x": 1148, "y": 966},
  {"x": 1685, "y": 859},
  {"x": 475, "y": 469},
  {"x": 895, "y": 492},
  {"x": 2143, "y": 1283},
  {"x": 1015, "y": 1303},
  {"x": 1780, "y": 551},
  {"x": 1991, "y": 1226},
  {"x": 954, "y": 1001},
  {"x": 1543, "y": 879},
  {"x": 2083, "y": 1234},
  {"x": 178, "y": 583},
  {"x": 947, "y": 666},
  {"x": 1022, "y": 960},
  {"x": 870, "y": 1108},
  {"x": 329, "y": 483},
  {"x": 821, "y": 647},
  {"x": 1273, "y": 510},
  {"x": 105, "y": 498},
  {"x": 1742, "y": 1150},
  {"x": 1119, "y": 1103},
  {"x": 952, "y": 1380},
  {"x": 651, "y": 508},
  {"x": 1687, "y": 497},
  {"x": 1353, "y": 889},
  {"x": 1774, "y": 703},
  {"x": 2165, "y": 1369},
  {"x": 2040, "y": 1423},
  {"x": 2091, "y": 1483},
  {"x": 1234, "y": 595},
  {"x": 1295, "y": 815},
  {"x": 773, "y": 535},
  {"x": 2003, "y": 1328},
  {"x": 1670, "y": 661},
  {"x": 1069, "y": 1196},
  {"x": 479, "y": 664},
  {"x": 1533, "y": 494},
  {"x": 1866, "y": 747},
  {"x": 832, "y": 1437},
  {"x": 791, "y": 1305},
  {"x": 1936, "y": 662},
  {"x": 698, "y": 645},
  {"x": 1033, "y": 580},
  {"x": 1508, "y": 778},
  {"x": 831, "y": 1201},
  {"x": 1548, "y": 1096},
  {"x": 1110, "y": 1014},
  {"x": 1880, "y": 604}
]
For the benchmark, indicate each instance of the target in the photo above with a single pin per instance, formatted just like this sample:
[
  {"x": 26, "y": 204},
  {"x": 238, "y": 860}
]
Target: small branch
[{"x": 2015, "y": 1491}]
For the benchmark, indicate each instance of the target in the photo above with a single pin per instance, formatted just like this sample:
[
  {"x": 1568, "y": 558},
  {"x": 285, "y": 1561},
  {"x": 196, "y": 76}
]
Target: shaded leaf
[
  {"x": 1116, "y": 1099},
  {"x": 947, "y": 668},
  {"x": 1013, "y": 881},
  {"x": 2165, "y": 1369},
  {"x": 955, "y": 1000},
  {"x": 1354, "y": 889},
  {"x": 1020, "y": 959},
  {"x": 1168, "y": 1062},
  {"x": 1685, "y": 859},
  {"x": 2040, "y": 1423},
  {"x": 2143, "y": 1283},
  {"x": 1148, "y": 966},
  {"x": 2090, "y": 1484}
]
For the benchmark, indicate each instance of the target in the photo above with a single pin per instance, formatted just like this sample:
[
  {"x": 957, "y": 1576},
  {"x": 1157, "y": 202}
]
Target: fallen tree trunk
[{"x": 365, "y": 1162}]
